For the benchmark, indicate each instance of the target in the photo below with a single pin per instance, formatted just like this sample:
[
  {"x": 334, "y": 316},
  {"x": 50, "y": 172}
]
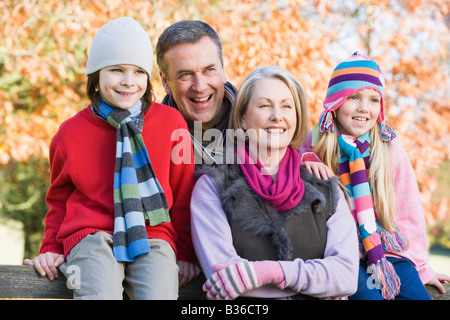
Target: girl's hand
[
  {"x": 319, "y": 169},
  {"x": 47, "y": 264},
  {"x": 437, "y": 281},
  {"x": 314, "y": 165}
]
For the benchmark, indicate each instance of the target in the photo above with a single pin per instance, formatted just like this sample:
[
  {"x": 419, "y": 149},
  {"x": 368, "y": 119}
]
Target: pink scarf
[{"x": 287, "y": 191}]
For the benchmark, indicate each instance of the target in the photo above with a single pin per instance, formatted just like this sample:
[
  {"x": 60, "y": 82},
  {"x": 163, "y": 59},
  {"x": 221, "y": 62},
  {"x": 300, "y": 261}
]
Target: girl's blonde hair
[
  {"x": 379, "y": 174},
  {"x": 274, "y": 72}
]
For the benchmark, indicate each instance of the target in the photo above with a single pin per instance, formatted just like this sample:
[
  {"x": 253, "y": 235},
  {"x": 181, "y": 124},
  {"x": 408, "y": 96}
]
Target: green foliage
[
  {"x": 18, "y": 89},
  {"x": 22, "y": 198},
  {"x": 439, "y": 227}
]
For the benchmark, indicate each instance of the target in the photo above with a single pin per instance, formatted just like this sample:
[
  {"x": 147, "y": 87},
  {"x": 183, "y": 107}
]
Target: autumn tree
[
  {"x": 410, "y": 40},
  {"x": 44, "y": 48}
]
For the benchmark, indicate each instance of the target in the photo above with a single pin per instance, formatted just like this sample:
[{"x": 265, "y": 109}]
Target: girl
[
  {"x": 119, "y": 208},
  {"x": 354, "y": 142},
  {"x": 264, "y": 227}
]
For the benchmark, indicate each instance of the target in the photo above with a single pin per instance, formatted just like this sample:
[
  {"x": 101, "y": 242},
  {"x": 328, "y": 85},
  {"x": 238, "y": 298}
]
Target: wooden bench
[{"x": 23, "y": 282}]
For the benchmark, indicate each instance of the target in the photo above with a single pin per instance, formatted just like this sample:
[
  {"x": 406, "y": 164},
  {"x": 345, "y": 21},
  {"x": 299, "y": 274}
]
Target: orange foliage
[{"x": 44, "y": 44}]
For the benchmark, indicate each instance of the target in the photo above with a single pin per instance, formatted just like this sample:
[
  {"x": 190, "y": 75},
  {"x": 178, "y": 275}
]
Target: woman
[{"x": 264, "y": 227}]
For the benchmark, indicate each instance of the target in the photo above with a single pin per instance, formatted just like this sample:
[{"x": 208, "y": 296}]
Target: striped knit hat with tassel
[{"x": 352, "y": 75}]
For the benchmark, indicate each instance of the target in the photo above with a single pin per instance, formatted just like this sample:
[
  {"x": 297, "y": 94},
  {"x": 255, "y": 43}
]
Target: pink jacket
[{"x": 409, "y": 214}]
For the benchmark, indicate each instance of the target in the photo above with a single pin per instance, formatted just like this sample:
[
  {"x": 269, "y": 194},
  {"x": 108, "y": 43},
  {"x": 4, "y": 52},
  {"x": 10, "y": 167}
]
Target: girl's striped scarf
[
  {"x": 138, "y": 195},
  {"x": 353, "y": 167}
]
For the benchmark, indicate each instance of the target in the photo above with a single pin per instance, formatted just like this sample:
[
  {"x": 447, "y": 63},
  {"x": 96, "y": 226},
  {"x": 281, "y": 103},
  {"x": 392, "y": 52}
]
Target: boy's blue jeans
[{"x": 411, "y": 287}]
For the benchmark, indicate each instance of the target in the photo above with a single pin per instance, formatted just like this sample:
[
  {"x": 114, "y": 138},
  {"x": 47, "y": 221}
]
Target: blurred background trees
[{"x": 44, "y": 47}]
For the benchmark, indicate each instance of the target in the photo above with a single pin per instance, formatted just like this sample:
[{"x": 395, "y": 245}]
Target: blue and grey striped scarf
[{"x": 138, "y": 195}]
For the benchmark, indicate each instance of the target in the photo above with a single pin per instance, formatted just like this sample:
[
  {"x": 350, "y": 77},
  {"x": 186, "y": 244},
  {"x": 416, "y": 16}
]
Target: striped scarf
[
  {"x": 353, "y": 168},
  {"x": 214, "y": 153},
  {"x": 138, "y": 195}
]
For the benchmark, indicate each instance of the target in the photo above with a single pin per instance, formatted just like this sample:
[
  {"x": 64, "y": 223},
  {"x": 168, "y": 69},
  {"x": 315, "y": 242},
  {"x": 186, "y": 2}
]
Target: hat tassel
[
  {"x": 326, "y": 122},
  {"x": 383, "y": 273},
  {"x": 386, "y": 132}
]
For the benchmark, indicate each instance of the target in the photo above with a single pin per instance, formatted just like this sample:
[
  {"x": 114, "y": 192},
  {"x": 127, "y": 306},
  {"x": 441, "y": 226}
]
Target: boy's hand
[{"x": 47, "y": 264}]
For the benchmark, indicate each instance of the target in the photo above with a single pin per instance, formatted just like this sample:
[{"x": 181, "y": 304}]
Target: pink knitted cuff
[{"x": 270, "y": 272}]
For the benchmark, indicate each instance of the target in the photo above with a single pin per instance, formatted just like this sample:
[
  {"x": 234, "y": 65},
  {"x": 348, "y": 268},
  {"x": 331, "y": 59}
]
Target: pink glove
[{"x": 228, "y": 282}]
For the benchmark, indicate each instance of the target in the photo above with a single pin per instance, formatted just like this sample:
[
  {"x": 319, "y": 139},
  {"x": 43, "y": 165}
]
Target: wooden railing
[{"x": 23, "y": 282}]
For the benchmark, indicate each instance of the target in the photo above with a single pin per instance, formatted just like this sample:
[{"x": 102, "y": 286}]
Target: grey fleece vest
[{"x": 260, "y": 231}]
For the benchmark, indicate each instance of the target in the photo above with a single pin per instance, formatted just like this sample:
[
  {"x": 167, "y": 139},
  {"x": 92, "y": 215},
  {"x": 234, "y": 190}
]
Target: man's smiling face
[{"x": 195, "y": 79}]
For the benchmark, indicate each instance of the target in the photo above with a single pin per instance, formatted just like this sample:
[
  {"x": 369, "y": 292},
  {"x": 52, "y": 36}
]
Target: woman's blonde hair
[
  {"x": 246, "y": 90},
  {"x": 379, "y": 173}
]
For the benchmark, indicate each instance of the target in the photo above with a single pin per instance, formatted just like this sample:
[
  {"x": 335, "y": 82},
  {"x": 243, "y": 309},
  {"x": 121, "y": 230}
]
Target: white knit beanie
[{"x": 120, "y": 41}]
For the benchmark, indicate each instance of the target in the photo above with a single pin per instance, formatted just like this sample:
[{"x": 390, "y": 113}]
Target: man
[{"x": 189, "y": 55}]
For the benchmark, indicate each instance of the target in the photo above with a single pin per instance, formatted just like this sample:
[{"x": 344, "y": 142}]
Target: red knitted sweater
[{"x": 80, "y": 197}]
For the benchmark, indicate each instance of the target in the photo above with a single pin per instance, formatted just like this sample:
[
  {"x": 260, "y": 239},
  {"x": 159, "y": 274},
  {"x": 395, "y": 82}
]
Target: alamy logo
[
  {"x": 372, "y": 282},
  {"x": 73, "y": 274},
  {"x": 259, "y": 142}
]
